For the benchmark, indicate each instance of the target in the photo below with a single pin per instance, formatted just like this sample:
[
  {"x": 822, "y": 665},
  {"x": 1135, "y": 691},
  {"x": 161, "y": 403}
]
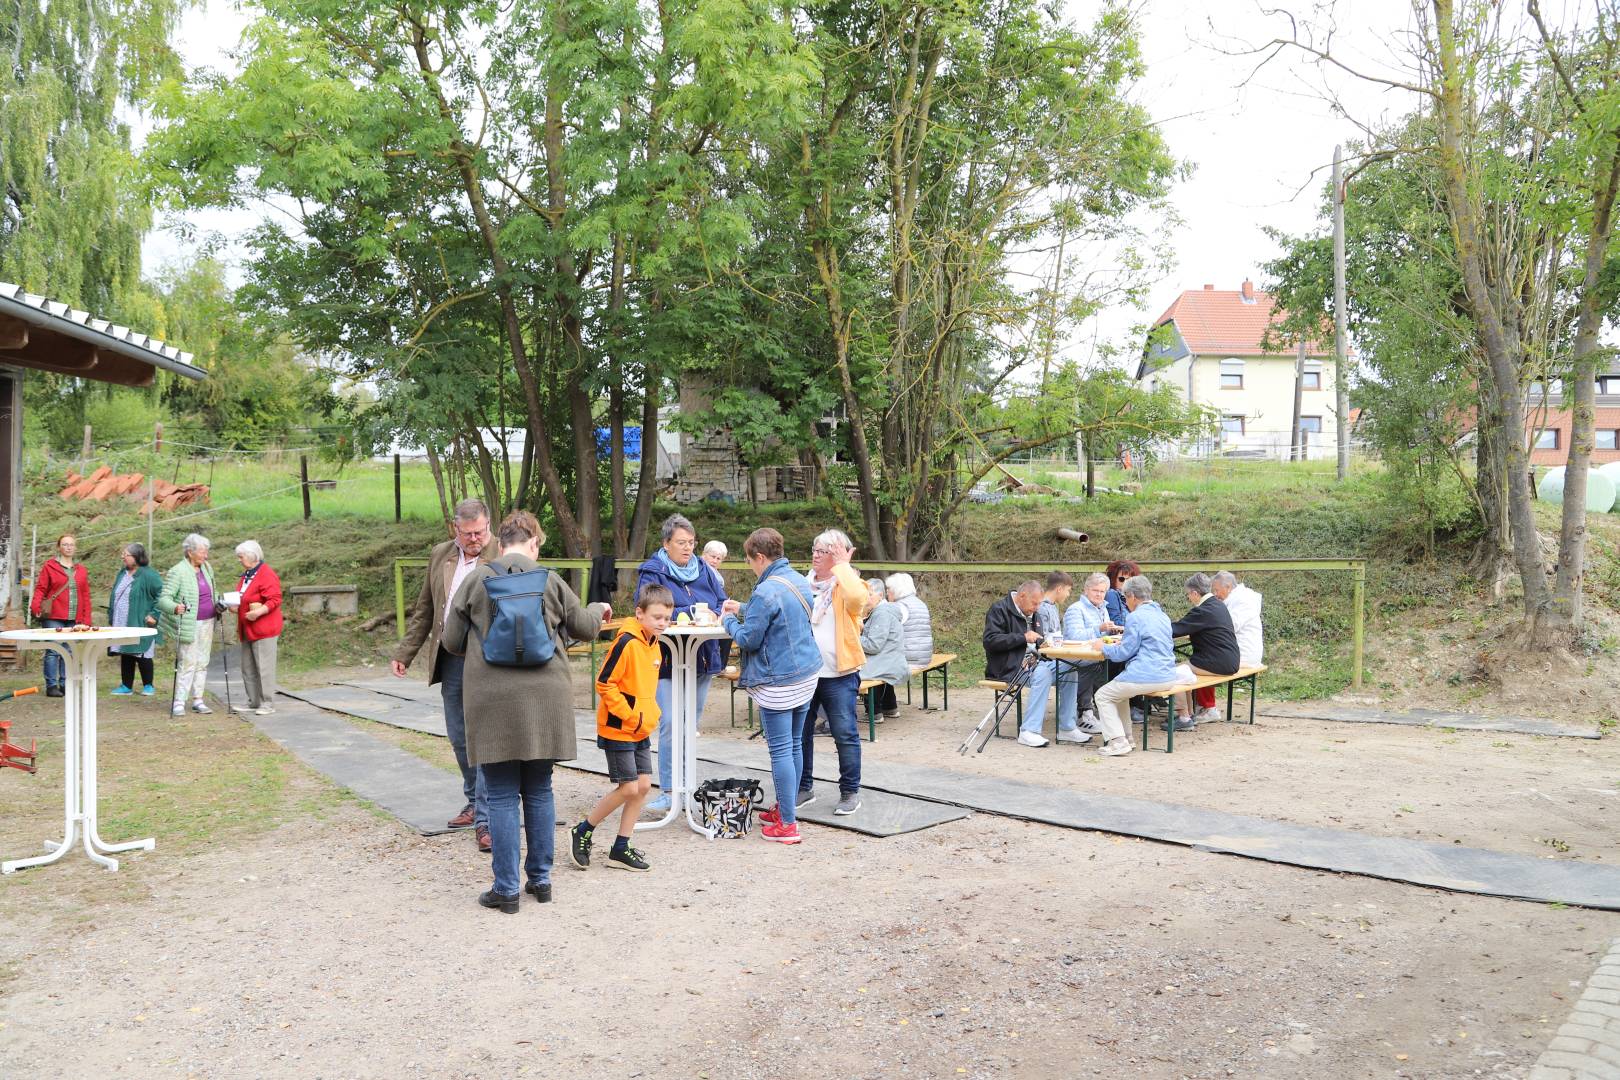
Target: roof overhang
[{"x": 49, "y": 336}]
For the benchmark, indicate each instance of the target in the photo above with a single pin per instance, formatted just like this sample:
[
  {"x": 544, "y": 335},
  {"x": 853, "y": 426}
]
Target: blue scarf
[{"x": 683, "y": 574}]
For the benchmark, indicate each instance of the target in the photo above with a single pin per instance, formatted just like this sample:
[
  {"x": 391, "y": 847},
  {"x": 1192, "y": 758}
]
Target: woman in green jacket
[
  {"x": 186, "y": 610},
  {"x": 134, "y": 603}
]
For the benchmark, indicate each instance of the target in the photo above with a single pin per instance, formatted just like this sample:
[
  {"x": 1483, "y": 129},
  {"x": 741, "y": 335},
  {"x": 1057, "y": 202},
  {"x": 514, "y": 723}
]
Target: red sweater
[
  {"x": 51, "y": 592},
  {"x": 265, "y": 588}
]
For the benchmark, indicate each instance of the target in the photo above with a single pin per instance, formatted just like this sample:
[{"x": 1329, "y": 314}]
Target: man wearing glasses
[{"x": 448, "y": 566}]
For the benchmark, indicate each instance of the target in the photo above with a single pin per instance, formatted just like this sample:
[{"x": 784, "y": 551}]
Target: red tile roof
[{"x": 1214, "y": 321}]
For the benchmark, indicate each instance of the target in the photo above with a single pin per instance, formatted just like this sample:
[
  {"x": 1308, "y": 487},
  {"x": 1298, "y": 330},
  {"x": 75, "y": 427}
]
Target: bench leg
[
  {"x": 871, "y": 715},
  {"x": 908, "y": 686},
  {"x": 1170, "y": 729},
  {"x": 925, "y": 691},
  {"x": 733, "y": 704},
  {"x": 1254, "y": 692},
  {"x": 1229, "y": 701},
  {"x": 945, "y": 687}
]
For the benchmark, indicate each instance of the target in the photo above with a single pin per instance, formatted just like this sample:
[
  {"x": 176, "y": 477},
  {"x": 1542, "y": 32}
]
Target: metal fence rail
[{"x": 1355, "y": 567}]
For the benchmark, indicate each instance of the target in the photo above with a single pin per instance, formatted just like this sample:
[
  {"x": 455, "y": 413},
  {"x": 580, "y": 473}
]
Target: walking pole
[
  {"x": 224, "y": 657},
  {"x": 174, "y": 695}
]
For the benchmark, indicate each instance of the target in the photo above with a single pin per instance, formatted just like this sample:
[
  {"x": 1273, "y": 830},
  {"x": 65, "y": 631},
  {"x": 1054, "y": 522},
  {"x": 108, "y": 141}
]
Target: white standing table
[
  {"x": 684, "y": 642},
  {"x": 79, "y": 737}
]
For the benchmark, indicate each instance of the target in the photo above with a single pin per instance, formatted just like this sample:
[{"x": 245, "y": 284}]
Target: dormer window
[{"x": 1231, "y": 374}]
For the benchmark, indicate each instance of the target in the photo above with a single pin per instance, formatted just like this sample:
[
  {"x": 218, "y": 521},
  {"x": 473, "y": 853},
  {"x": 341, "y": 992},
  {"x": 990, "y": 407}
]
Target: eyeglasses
[
  {"x": 688, "y": 542},
  {"x": 823, "y": 551}
]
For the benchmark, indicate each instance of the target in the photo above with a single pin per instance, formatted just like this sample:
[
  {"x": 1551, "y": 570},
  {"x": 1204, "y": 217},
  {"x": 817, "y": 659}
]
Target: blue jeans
[
  {"x": 1044, "y": 677},
  {"x": 55, "y": 667},
  {"x": 506, "y": 782},
  {"x": 451, "y": 670},
  {"x": 836, "y": 698},
  {"x": 784, "y": 737},
  {"x": 666, "y": 757}
]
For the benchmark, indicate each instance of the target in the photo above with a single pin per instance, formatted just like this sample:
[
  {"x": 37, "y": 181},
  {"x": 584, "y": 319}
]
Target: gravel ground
[{"x": 350, "y": 948}]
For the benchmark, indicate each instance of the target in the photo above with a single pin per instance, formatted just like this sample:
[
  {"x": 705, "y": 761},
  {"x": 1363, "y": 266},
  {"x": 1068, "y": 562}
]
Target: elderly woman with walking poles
[
  {"x": 134, "y": 602},
  {"x": 258, "y": 626},
  {"x": 691, "y": 581},
  {"x": 781, "y": 668},
  {"x": 186, "y": 609}
]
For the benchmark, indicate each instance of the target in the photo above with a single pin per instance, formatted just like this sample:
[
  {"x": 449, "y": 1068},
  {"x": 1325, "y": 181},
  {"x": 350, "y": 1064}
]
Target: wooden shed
[{"x": 43, "y": 335}]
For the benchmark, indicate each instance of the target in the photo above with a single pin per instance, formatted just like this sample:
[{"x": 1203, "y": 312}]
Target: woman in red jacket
[
  {"x": 61, "y": 599},
  {"x": 258, "y": 624}
]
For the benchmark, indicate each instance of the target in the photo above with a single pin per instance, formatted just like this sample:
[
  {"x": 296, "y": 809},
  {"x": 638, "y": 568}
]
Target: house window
[
  {"x": 1606, "y": 439},
  {"x": 1231, "y": 374},
  {"x": 1311, "y": 425},
  {"x": 1608, "y": 384},
  {"x": 1547, "y": 439},
  {"x": 1231, "y": 425},
  {"x": 1313, "y": 379}
]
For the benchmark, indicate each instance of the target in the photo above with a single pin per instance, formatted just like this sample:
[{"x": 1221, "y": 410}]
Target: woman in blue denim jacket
[
  {"x": 780, "y": 665},
  {"x": 676, "y": 566}
]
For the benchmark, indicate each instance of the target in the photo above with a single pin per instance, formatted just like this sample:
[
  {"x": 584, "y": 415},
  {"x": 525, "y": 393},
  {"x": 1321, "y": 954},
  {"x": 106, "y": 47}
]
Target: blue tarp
[{"x": 632, "y": 442}]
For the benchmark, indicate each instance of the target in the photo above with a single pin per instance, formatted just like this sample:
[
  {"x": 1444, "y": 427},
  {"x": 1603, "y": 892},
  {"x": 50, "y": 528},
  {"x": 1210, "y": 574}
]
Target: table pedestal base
[{"x": 79, "y": 771}]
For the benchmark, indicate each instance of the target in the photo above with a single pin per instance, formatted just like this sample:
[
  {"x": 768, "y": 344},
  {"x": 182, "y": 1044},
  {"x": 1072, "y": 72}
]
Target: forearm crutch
[{"x": 1005, "y": 701}]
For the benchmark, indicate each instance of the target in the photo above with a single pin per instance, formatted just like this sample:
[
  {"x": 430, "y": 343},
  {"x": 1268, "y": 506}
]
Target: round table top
[
  {"x": 693, "y": 630},
  {"x": 106, "y": 635}
]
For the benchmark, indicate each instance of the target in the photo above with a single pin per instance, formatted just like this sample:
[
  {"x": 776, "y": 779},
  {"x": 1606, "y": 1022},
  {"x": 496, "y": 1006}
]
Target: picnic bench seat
[
  {"x": 1018, "y": 701},
  {"x": 1247, "y": 674}
]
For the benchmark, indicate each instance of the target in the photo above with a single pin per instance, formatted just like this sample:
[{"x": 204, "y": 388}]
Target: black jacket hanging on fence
[
  {"x": 604, "y": 581},
  {"x": 1214, "y": 645}
]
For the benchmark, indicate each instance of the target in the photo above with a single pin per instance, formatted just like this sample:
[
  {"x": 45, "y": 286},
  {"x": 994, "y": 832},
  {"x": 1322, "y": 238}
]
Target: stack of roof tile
[{"x": 103, "y": 484}]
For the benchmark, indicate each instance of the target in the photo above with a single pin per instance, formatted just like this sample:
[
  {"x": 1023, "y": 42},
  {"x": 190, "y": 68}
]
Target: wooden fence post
[
  {"x": 397, "y": 516},
  {"x": 303, "y": 482}
]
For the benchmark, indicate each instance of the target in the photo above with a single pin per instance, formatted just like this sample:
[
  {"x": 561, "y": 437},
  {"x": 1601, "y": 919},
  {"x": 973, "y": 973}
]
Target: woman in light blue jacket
[
  {"x": 882, "y": 639},
  {"x": 780, "y": 665}
]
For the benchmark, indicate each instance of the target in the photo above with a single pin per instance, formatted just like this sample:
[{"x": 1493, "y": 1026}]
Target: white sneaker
[
  {"x": 1089, "y": 724},
  {"x": 179, "y": 710},
  {"x": 1116, "y": 747},
  {"x": 1210, "y": 715},
  {"x": 198, "y": 706},
  {"x": 1030, "y": 738},
  {"x": 1075, "y": 736},
  {"x": 264, "y": 710}
]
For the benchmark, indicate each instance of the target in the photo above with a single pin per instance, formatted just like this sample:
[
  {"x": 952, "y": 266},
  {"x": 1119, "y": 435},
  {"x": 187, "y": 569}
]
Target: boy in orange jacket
[{"x": 626, "y": 718}]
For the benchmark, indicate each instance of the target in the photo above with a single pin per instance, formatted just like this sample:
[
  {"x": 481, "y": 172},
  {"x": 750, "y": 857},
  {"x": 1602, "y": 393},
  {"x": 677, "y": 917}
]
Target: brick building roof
[{"x": 1230, "y": 321}]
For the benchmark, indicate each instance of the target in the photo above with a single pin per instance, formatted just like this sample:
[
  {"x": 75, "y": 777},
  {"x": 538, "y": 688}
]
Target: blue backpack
[{"x": 517, "y": 625}]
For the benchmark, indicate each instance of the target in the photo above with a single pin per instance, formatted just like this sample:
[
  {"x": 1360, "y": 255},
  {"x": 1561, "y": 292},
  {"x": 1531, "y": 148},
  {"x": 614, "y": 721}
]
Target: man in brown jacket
[{"x": 449, "y": 565}]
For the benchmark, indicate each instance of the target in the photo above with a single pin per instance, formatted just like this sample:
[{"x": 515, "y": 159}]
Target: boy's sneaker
[
  {"x": 1074, "y": 735},
  {"x": 782, "y": 834},
  {"x": 771, "y": 815},
  {"x": 148, "y": 691},
  {"x": 848, "y": 804},
  {"x": 579, "y": 845},
  {"x": 1116, "y": 747},
  {"x": 200, "y": 707},
  {"x": 1088, "y": 723},
  {"x": 122, "y": 691},
  {"x": 628, "y": 858}
]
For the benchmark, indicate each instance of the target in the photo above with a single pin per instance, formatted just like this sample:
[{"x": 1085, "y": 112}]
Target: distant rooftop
[{"x": 1228, "y": 321}]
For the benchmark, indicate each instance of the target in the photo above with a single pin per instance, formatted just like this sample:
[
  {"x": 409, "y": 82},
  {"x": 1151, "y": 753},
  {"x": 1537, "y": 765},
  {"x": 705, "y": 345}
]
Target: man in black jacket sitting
[
  {"x": 1009, "y": 631},
  {"x": 1214, "y": 646}
]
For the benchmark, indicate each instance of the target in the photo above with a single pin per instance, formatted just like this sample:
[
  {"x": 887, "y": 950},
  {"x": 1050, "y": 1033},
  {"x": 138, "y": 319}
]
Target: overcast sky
[{"x": 1254, "y": 142}]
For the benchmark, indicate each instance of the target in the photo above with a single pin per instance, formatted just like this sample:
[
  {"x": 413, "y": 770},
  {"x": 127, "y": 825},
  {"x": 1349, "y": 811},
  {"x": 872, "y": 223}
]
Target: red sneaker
[
  {"x": 771, "y": 815},
  {"x": 782, "y": 834}
]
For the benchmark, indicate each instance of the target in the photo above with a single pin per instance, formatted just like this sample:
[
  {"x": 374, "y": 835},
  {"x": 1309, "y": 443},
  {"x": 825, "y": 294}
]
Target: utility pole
[
  {"x": 1341, "y": 378},
  {"x": 1296, "y": 438}
]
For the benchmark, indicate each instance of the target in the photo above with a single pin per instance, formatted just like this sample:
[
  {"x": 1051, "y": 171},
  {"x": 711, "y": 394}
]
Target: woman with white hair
[
  {"x": 258, "y": 626},
  {"x": 186, "y": 609},
  {"x": 881, "y": 640},
  {"x": 914, "y": 618}
]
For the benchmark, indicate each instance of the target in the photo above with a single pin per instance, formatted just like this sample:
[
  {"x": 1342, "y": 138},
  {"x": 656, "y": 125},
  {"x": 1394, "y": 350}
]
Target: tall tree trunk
[
  {"x": 1566, "y": 612},
  {"x": 647, "y": 476},
  {"x": 438, "y": 483},
  {"x": 1502, "y": 349}
]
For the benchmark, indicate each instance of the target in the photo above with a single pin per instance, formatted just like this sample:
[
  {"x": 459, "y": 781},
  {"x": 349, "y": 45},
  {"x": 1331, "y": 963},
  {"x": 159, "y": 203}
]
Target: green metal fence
[{"x": 1355, "y": 567}]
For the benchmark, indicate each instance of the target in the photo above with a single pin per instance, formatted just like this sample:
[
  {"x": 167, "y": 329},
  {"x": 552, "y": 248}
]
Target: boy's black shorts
[{"x": 626, "y": 760}]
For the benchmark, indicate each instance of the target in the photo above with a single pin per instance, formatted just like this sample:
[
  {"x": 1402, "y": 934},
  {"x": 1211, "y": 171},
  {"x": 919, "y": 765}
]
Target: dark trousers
[
  {"x": 886, "y": 701},
  {"x": 127, "y": 666}
]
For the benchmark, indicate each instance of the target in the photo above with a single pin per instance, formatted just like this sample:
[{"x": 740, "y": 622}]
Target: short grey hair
[
  {"x": 833, "y": 537},
  {"x": 1225, "y": 579},
  {"x": 876, "y": 588},
  {"x": 195, "y": 542},
  {"x": 471, "y": 510},
  {"x": 1031, "y": 586},
  {"x": 900, "y": 586},
  {"x": 674, "y": 524},
  {"x": 1198, "y": 583},
  {"x": 1139, "y": 587},
  {"x": 1097, "y": 578},
  {"x": 251, "y": 547},
  {"x": 715, "y": 547}
]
